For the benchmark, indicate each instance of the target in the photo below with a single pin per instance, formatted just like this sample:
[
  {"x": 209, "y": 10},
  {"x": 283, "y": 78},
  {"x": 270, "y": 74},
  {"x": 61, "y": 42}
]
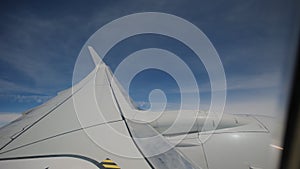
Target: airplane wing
[
  {"x": 67, "y": 131},
  {"x": 95, "y": 124}
]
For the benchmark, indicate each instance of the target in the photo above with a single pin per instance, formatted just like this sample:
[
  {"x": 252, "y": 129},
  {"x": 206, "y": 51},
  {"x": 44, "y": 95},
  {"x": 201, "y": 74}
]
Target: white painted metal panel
[
  {"x": 78, "y": 143},
  {"x": 127, "y": 107},
  {"x": 195, "y": 154},
  {"x": 101, "y": 77},
  {"x": 9, "y": 132},
  {"x": 48, "y": 163},
  {"x": 92, "y": 104},
  {"x": 238, "y": 150},
  {"x": 62, "y": 119},
  {"x": 95, "y": 104}
]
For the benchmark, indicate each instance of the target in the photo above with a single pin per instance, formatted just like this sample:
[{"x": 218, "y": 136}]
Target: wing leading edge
[{"x": 82, "y": 122}]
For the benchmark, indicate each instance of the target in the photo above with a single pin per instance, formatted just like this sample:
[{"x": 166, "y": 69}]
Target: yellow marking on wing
[
  {"x": 107, "y": 161},
  {"x": 111, "y": 166}
]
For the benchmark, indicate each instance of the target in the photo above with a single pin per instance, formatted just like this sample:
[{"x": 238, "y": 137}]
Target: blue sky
[{"x": 40, "y": 42}]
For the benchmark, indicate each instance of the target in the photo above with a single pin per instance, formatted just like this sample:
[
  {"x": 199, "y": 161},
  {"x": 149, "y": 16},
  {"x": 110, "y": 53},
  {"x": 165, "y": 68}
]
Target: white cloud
[
  {"x": 8, "y": 86},
  {"x": 9, "y": 89},
  {"x": 256, "y": 105},
  {"x": 266, "y": 105},
  {"x": 265, "y": 80},
  {"x": 241, "y": 82},
  {"x": 25, "y": 98}
]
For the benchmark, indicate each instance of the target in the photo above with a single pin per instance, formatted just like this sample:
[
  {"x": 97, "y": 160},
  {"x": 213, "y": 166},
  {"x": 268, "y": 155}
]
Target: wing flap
[{"x": 160, "y": 153}]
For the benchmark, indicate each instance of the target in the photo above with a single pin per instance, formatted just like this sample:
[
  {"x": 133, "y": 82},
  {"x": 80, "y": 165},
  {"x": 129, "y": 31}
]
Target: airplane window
[{"x": 217, "y": 80}]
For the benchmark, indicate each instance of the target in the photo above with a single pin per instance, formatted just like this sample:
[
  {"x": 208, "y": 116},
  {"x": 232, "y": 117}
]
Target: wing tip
[{"x": 96, "y": 58}]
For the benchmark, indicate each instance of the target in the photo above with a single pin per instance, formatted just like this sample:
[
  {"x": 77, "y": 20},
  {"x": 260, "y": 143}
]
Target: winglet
[{"x": 96, "y": 58}]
